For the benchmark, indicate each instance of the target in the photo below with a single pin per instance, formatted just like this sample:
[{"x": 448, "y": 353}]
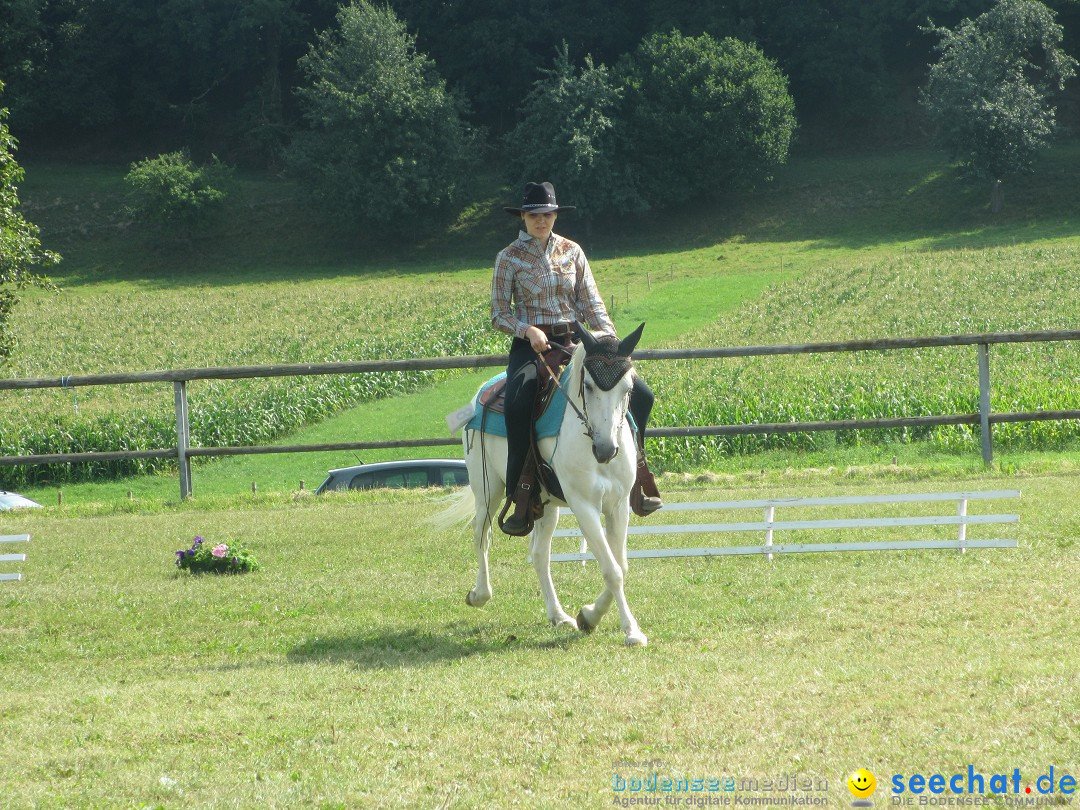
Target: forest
[{"x": 130, "y": 78}]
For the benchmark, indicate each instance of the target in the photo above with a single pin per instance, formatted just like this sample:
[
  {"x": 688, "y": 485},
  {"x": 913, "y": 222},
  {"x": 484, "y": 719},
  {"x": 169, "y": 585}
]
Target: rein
[{"x": 580, "y": 414}]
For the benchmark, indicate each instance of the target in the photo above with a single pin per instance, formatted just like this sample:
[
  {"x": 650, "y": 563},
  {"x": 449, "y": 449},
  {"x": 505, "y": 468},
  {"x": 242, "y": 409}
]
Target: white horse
[{"x": 595, "y": 459}]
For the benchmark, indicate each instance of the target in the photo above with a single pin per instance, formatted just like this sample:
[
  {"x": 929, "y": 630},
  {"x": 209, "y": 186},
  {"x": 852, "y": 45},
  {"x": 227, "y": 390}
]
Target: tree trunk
[{"x": 997, "y": 198}]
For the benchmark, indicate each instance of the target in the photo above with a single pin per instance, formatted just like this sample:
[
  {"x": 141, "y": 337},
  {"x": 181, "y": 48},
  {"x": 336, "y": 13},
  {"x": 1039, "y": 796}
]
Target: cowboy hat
[{"x": 539, "y": 199}]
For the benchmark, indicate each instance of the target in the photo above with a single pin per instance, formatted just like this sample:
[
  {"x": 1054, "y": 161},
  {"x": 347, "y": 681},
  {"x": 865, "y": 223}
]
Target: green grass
[{"x": 349, "y": 672}]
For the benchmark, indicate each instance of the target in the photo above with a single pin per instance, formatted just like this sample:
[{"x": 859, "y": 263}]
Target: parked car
[
  {"x": 420, "y": 472},
  {"x": 10, "y": 500}
]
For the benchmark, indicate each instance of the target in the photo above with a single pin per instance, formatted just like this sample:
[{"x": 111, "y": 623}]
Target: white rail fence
[
  {"x": 769, "y": 526},
  {"x": 6, "y": 558}
]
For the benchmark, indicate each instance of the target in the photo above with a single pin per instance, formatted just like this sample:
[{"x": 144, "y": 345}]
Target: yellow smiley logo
[{"x": 861, "y": 783}]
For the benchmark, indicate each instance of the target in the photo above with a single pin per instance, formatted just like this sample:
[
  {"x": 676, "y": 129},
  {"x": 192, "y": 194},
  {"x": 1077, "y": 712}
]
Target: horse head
[{"x": 605, "y": 380}]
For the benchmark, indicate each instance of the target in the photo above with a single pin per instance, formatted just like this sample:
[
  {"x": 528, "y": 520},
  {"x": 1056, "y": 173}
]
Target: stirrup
[
  {"x": 527, "y": 509},
  {"x": 644, "y": 496},
  {"x": 518, "y": 524},
  {"x": 644, "y": 505}
]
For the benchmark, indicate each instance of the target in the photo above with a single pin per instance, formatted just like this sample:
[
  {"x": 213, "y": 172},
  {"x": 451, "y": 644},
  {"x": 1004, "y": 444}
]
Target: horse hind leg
[{"x": 481, "y": 592}]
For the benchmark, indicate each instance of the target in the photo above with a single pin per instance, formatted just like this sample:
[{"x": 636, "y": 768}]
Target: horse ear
[
  {"x": 629, "y": 343},
  {"x": 585, "y": 337}
]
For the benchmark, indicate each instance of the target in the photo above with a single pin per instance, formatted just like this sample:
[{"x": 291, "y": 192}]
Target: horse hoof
[
  {"x": 564, "y": 622},
  {"x": 637, "y": 639},
  {"x": 583, "y": 623},
  {"x": 472, "y": 600}
]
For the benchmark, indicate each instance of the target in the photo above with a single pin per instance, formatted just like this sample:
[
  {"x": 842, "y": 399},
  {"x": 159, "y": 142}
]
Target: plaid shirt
[{"x": 543, "y": 287}]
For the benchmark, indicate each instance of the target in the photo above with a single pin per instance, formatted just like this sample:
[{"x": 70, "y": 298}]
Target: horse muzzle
[{"x": 604, "y": 453}]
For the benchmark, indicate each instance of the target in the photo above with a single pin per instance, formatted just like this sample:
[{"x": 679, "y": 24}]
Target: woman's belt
[{"x": 556, "y": 329}]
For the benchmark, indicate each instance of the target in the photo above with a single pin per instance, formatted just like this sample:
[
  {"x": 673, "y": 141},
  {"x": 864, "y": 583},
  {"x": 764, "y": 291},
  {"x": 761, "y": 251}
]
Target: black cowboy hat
[{"x": 539, "y": 199}]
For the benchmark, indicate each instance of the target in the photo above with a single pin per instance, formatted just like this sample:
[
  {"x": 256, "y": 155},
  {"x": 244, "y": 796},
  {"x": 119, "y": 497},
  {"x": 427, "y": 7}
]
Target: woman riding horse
[{"x": 542, "y": 285}]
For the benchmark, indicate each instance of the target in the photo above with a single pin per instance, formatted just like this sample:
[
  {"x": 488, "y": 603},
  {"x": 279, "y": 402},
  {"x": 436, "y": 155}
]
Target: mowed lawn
[{"x": 349, "y": 672}]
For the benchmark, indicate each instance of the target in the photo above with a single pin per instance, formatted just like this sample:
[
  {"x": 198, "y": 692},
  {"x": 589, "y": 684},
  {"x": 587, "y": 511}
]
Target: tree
[
  {"x": 703, "y": 116},
  {"x": 20, "y": 248},
  {"x": 512, "y": 41},
  {"x": 989, "y": 94},
  {"x": 172, "y": 191},
  {"x": 134, "y": 74},
  {"x": 571, "y": 122},
  {"x": 387, "y": 141}
]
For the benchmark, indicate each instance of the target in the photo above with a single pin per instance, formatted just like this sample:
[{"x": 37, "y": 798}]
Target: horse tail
[{"x": 460, "y": 507}]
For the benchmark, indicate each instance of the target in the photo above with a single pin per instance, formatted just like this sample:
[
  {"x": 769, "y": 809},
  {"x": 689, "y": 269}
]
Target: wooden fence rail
[{"x": 184, "y": 452}]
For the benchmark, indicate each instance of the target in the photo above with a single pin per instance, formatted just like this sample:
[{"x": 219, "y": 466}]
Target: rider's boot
[
  {"x": 525, "y": 500},
  {"x": 520, "y": 523},
  {"x": 644, "y": 497}
]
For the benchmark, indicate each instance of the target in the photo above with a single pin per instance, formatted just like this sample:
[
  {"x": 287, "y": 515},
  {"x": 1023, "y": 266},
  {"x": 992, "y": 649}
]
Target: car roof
[
  {"x": 12, "y": 500},
  {"x": 411, "y": 462}
]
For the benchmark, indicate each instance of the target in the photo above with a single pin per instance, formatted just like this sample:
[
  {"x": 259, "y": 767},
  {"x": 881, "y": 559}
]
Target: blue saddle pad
[
  {"x": 547, "y": 425},
  {"x": 494, "y": 424}
]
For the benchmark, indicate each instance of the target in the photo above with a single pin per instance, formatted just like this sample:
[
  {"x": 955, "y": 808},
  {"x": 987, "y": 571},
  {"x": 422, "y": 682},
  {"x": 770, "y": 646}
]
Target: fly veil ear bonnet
[{"x": 606, "y": 357}]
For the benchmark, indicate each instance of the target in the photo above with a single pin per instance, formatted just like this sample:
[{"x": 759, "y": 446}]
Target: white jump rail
[
  {"x": 770, "y": 525},
  {"x": 12, "y": 538}
]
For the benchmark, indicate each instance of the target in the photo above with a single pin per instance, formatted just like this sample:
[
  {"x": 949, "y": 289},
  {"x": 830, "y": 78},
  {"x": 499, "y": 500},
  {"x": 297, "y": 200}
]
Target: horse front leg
[
  {"x": 541, "y": 560},
  {"x": 613, "y": 569},
  {"x": 616, "y": 524},
  {"x": 481, "y": 592}
]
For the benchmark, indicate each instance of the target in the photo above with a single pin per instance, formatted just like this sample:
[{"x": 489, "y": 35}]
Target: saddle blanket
[
  {"x": 547, "y": 425},
  {"x": 494, "y": 424}
]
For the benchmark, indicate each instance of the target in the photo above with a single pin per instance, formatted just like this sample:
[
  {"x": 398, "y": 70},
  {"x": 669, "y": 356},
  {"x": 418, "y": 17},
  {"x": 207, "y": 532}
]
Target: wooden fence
[{"x": 184, "y": 452}]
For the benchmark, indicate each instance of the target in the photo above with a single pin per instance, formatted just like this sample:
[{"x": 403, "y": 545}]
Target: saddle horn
[{"x": 630, "y": 342}]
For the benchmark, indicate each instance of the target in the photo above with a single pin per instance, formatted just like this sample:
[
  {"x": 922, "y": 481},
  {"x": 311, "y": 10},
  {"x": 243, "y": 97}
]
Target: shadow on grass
[{"x": 418, "y": 648}]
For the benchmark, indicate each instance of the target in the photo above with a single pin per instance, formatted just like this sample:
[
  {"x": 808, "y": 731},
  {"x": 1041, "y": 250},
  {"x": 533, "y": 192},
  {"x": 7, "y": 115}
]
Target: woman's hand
[{"x": 537, "y": 338}]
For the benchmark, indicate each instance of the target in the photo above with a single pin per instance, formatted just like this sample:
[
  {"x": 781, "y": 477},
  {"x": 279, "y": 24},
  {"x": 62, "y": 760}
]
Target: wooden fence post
[
  {"x": 984, "y": 402},
  {"x": 183, "y": 438}
]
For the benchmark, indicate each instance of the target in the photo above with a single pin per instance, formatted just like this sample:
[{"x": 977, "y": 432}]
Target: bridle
[{"x": 582, "y": 412}]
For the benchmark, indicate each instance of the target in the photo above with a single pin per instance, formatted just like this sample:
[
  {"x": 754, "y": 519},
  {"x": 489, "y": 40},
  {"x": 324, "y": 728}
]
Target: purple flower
[
  {"x": 198, "y": 541},
  {"x": 180, "y": 555}
]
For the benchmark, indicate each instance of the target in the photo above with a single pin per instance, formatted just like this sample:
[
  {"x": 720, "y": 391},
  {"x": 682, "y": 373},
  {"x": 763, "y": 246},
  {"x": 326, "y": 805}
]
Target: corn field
[{"x": 910, "y": 294}]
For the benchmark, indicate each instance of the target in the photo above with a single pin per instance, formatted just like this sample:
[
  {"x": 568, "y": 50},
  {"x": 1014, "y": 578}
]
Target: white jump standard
[{"x": 12, "y": 538}]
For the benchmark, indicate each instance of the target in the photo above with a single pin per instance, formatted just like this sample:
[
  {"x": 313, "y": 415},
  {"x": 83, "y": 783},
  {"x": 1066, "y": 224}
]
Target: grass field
[{"x": 349, "y": 672}]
